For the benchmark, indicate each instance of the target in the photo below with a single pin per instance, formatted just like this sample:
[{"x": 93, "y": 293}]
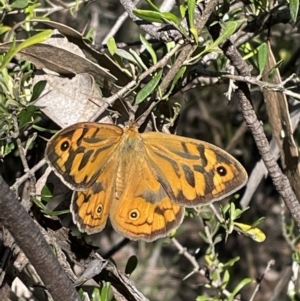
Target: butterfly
[{"x": 142, "y": 182}]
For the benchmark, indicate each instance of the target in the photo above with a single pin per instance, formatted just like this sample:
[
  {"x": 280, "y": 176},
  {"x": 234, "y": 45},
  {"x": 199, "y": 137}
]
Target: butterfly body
[{"x": 142, "y": 182}]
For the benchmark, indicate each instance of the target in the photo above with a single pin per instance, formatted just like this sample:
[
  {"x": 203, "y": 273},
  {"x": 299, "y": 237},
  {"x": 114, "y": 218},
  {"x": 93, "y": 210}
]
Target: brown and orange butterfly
[{"x": 142, "y": 182}]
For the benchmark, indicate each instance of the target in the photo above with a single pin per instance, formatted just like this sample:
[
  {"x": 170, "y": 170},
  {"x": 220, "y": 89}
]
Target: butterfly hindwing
[{"x": 142, "y": 209}]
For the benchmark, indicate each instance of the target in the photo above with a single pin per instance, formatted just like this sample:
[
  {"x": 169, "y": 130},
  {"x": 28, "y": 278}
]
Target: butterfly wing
[
  {"x": 191, "y": 171},
  {"x": 84, "y": 157},
  {"x": 90, "y": 208},
  {"x": 142, "y": 209},
  {"x": 79, "y": 153}
]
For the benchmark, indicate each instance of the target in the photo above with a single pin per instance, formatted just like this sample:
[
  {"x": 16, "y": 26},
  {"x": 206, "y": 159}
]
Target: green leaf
[
  {"x": 38, "y": 38},
  {"x": 182, "y": 10},
  {"x": 148, "y": 88},
  {"x": 105, "y": 292},
  {"x": 149, "y": 48},
  {"x": 159, "y": 17},
  {"x": 25, "y": 116},
  {"x": 19, "y": 4},
  {"x": 149, "y": 15},
  {"x": 125, "y": 55},
  {"x": 294, "y": 8},
  {"x": 259, "y": 221},
  {"x": 37, "y": 90},
  {"x": 194, "y": 33},
  {"x": 262, "y": 57},
  {"x": 225, "y": 279},
  {"x": 229, "y": 29},
  {"x": 47, "y": 192},
  {"x": 96, "y": 295},
  {"x": 4, "y": 29},
  {"x": 231, "y": 262},
  {"x": 131, "y": 265},
  {"x": 178, "y": 75},
  {"x": 6, "y": 148},
  {"x": 170, "y": 18},
  {"x": 138, "y": 59},
  {"x": 29, "y": 143},
  {"x": 111, "y": 46},
  {"x": 191, "y": 12},
  {"x": 243, "y": 283}
]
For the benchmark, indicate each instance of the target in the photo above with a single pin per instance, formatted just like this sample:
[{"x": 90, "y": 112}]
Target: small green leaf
[
  {"x": 149, "y": 15},
  {"x": 4, "y": 29},
  {"x": 47, "y": 192},
  {"x": 191, "y": 13},
  {"x": 148, "y": 88},
  {"x": 194, "y": 33},
  {"x": 138, "y": 59},
  {"x": 259, "y": 221},
  {"x": 182, "y": 10},
  {"x": 37, "y": 90},
  {"x": 159, "y": 17},
  {"x": 105, "y": 292},
  {"x": 262, "y": 57},
  {"x": 96, "y": 295},
  {"x": 225, "y": 280},
  {"x": 111, "y": 46},
  {"x": 231, "y": 262},
  {"x": 148, "y": 46},
  {"x": 38, "y": 38},
  {"x": 25, "y": 116},
  {"x": 6, "y": 148},
  {"x": 243, "y": 283},
  {"x": 170, "y": 18},
  {"x": 229, "y": 29},
  {"x": 178, "y": 75},
  {"x": 294, "y": 8},
  {"x": 131, "y": 265},
  {"x": 19, "y": 4},
  {"x": 126, "y": 55}
]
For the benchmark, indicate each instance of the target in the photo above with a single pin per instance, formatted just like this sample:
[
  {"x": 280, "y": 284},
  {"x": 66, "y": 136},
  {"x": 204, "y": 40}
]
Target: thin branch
[
  {"x": 270, "y": 263},
  {"x": 118, "y": 95},
  {"x": 188, "y": 49},
  {"x": 118, "y": 24},
  {"x": 22, "y": 179},
  {"x": 157, "y": 32}
]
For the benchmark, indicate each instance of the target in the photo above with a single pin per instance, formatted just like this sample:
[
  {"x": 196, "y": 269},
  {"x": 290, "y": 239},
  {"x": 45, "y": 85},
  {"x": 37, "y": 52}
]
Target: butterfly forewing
[
  {"x": 192, "y": 171},
  {"x": 79, "y": 153}
]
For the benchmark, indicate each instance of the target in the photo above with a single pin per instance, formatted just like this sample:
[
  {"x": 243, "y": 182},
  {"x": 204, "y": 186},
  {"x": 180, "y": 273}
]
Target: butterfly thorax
[
  {"x": 130, "y": 152},
  {"x": 131, "y": 139}
]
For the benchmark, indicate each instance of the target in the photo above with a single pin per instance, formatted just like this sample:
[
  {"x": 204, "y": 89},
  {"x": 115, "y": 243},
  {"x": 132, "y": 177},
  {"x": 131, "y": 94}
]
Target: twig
[
  {"x": 118, "y": 24},
  {"x": 188, "y": 49},
  {"x": 118, "y": 95},
  {"x": 270, "y": 263},
  {"x": 22, "y": 179},
  {"x": 182, "y": 250},
  {"x": 156, "y": 32}
]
